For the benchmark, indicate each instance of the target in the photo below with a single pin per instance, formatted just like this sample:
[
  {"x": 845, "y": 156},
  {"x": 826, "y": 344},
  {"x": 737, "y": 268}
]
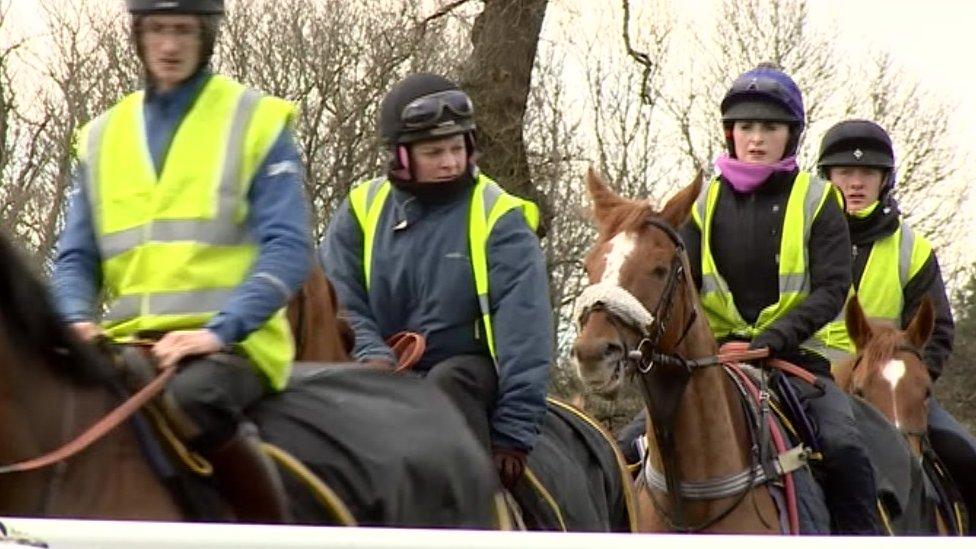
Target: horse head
[
  {"x": 889, "y": 371},
  {"x": 639, "y": 284}
]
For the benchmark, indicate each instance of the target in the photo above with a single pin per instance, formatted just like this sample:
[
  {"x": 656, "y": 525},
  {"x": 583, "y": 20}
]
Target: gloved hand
[
  {"x": 510, "y": 464},
  {"x": 771, "y": 340}
]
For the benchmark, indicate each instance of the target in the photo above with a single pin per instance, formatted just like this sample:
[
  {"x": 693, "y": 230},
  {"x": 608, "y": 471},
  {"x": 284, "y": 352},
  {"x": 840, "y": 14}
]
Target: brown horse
[
  {"x": 888, "y": 370},
  {"x": 52, "y": 387},
  {"x": 321, "y": 334},
  {"x": 889, "y": 373},
  {"x": 642, "y": 299}
]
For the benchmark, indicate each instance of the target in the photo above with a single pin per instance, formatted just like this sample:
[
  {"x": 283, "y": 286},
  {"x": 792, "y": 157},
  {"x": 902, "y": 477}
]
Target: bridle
[
  {"x": 646, "y": 354},
  {"x": 663, "y": 374}
]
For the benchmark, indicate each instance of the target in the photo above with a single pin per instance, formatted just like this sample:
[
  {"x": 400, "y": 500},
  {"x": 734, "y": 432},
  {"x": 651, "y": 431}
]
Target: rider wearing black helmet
[
  {"x": 188, "y": 213},
  {"x": 436, "y": 247},
  {"x": 894, "y": 267}
]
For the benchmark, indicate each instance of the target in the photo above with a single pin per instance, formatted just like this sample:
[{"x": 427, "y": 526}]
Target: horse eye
[{"x": 659, "y": 271}]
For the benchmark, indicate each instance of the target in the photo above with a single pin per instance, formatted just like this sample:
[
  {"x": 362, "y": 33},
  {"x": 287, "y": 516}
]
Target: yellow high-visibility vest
[
  {"x": 806, "y": 199},
  {"x": 489, "y": 202},
  {"x": 174, "y": 245},
  {"x": 892, "y": 263}
]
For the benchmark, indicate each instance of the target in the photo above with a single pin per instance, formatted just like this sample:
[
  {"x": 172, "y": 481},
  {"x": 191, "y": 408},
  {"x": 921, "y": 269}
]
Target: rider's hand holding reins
[
  {"x": 510, "y": 464},
  {"x": 175, "y": 346}
]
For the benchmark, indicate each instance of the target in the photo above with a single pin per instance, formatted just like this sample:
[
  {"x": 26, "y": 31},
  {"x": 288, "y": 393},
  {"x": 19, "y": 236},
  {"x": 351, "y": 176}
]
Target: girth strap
[{"x": 733, "y": 484}]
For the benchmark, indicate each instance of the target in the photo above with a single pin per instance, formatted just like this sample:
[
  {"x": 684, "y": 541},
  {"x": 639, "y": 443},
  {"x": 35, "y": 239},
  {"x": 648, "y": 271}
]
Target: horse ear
[
  {"x": 677, "y": 210},
  {"x": 857, "y": 324},
  {"x": 922, "y": 324},
  {"x": 604, "y": 200}
]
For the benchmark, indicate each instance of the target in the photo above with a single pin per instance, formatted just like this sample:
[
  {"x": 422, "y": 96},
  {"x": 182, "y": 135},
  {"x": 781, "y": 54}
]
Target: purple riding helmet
[{"x": 764, "y": 93}]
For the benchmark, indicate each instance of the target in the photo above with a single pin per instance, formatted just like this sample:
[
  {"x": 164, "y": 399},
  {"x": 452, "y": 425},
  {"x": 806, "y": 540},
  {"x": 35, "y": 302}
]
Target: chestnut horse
[
  {"x": 642, "y": 295},
  {"x": 52, "y": 387},
  {"x": 321, "y": 334},
  {"x": 889, "y": 373}
]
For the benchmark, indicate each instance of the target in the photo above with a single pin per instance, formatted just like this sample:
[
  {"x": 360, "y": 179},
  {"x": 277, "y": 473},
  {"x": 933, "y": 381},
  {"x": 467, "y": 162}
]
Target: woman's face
[{"x": 760, "y": 141}]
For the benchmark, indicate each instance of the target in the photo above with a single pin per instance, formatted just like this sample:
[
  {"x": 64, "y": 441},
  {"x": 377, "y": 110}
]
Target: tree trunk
[{"x": 497, "y": 76}]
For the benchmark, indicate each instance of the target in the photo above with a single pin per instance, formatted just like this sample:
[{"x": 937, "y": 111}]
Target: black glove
[
  {"x": 510, "y": 464},
  {"x": 769, "y": 340}
]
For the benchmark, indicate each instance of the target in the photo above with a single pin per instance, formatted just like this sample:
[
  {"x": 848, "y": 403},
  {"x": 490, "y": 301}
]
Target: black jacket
[
  {"x": 881, "y": 223},
  {"x": 746, "y": 235}
]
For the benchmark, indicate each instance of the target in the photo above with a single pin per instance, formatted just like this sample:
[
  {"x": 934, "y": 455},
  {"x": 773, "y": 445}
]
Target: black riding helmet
[
  {"x": 201, "y": 7},
  {"x": 424, "y": 106},
  {"x": 858, "y": 143},
  {"x": 209, "y": 11}
]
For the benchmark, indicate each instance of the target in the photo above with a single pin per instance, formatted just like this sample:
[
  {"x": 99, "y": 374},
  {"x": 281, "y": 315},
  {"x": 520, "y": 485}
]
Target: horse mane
[{"x": 32, "y": 328}]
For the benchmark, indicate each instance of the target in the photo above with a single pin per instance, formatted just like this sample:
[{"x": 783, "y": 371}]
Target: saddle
[{"x": 163, "y": 431}]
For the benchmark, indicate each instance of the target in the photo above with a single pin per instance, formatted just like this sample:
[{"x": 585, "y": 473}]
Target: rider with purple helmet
[{"x": 767, "y": 244}]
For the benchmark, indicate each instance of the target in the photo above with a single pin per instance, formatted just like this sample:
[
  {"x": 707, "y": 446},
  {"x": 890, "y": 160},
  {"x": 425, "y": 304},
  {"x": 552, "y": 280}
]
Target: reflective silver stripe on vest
[
  {"x": 93, "y": 158},
  {"x": 815, "y": 191},
  {"x": 374, "y": 187},
  {"x": 788, "y": 283},
  {"x": 171, "y": 303},
  {"x": 831, "y": 354},
  {"x": 223, "y": 230},
  {"x": 492, "y": 192},
  {"x": 701, "y": 204},
  {"x": 906, "y": 247}
]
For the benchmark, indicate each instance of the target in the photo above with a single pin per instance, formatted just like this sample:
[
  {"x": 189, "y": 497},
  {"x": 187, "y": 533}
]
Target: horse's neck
[
  {"x": 109, "y": 480},
  {"x": 709, "y": 423}
]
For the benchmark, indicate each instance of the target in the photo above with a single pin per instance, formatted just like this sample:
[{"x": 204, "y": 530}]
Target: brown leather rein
[{"x": 98, "y": 430}]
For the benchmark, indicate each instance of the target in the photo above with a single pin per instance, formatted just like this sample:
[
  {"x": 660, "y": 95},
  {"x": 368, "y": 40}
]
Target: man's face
[
  {"x": 439, "y": 160},
  {"x": 171, "y": 46},
  {"x": 861, "y": 185}
]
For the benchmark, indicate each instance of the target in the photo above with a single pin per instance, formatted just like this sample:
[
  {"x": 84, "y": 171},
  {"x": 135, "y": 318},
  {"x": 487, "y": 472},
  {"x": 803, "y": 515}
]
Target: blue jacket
[
  {"x": 422, "y": 281},
  {"x": 278, "y": 219}
]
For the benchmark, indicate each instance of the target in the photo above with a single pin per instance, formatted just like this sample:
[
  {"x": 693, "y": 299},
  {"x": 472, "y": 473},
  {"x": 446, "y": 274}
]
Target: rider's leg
[
  {"x": 627, "y": 437},
  {"x": 849, "y": 486},
  {"x": 212, "y": 393},
  {"x": 956, "y": 447},
  {"x": 470, "y": 381}
]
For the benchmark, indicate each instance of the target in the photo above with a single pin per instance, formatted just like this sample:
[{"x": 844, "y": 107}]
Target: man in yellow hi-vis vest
[
  {"x": 188, "y": 221},
  {"x": 437, "y": 247},
  {"x": 894, "y": 268}
]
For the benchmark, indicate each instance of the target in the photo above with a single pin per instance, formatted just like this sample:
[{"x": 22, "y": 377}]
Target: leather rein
[
  {"x": 101, "y": 428},
  {"x": 665, "y": 375}
]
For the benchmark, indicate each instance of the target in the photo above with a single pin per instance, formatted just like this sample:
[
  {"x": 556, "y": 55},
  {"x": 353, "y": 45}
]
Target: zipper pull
[{"x": 854, "y": 250}]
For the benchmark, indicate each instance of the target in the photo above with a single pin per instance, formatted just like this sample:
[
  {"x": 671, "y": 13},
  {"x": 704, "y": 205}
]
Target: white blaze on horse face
[
  {"x": 893, "y": 372},
  {"x": 621, "y": 246}
]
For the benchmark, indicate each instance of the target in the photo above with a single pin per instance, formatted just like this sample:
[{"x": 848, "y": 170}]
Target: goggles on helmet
[{"x": 428, "y": 110}]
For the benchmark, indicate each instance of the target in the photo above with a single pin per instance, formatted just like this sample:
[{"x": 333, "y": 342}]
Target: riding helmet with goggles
[
  {"x": 764, "y": 93},
  {"x": 424, "y": 106},
  {"x": 858, "y": 143}
]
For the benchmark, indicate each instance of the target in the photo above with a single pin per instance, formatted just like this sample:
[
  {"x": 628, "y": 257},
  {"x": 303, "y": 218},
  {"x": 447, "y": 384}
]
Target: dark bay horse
[
  {"x": 52, "y": 387},
  {"x": 641, "y": 290},
  {"x": 889, "y": 373}
]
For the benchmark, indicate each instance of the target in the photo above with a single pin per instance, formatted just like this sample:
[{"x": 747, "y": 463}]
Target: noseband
[{"x": 626, "y": 312}]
